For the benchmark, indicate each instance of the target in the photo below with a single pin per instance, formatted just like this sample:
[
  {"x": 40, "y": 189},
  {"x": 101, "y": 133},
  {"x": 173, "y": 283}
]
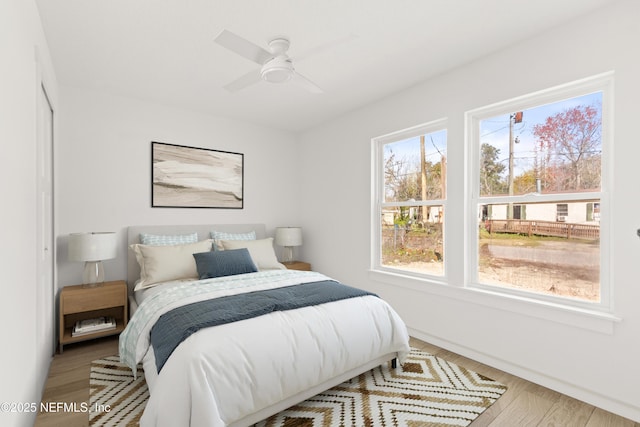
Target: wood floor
[{"x": 524, "y": 403}]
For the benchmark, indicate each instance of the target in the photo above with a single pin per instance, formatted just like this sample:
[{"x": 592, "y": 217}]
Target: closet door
[{"x": 44, "y": 227}]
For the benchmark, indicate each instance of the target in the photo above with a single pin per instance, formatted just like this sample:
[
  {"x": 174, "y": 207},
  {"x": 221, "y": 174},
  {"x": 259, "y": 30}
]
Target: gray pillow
[{"x": 224, "y": 263}]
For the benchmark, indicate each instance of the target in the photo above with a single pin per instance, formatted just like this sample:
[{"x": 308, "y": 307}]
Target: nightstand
[
  {"x": 297, "y": 265},
  {"x": 79, "y": 302}
]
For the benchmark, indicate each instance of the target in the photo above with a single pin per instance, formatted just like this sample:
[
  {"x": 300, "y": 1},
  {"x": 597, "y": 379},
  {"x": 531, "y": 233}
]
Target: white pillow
[
  {"x": 163, "y": 263},
  {"x": 261, "y": 252}
]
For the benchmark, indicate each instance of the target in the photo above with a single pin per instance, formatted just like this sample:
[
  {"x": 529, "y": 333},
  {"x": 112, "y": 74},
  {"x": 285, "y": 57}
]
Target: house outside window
[
  {"x": 410, "y": 200},
  {"x": 538, "y": 187}
]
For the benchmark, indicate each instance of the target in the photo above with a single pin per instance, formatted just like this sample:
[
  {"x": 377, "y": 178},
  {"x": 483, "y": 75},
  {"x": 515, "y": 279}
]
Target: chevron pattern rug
[
  {"x": 426, "y": 391},
  {"x": 115, "y": 397}
]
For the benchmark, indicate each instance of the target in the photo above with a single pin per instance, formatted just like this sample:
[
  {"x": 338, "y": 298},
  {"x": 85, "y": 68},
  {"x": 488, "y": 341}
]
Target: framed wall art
[{"x": 191, "y": 177}]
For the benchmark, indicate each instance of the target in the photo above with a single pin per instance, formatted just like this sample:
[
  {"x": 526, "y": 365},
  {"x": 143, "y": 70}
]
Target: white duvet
[{"x": 223, "y": 374}]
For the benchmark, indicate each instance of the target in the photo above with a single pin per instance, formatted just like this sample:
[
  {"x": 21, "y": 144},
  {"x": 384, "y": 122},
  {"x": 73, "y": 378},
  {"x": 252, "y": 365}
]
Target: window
[
  {"x": 562, "y": 211},
  {"x": 537, "y": 191},
  {"x": 410, "y": 203}
]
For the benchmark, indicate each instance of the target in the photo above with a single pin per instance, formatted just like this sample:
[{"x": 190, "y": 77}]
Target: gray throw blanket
[{"x": 178, "y": 324}]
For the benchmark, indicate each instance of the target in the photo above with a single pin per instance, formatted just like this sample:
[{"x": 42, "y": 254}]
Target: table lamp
[
  {"x": 92, "y": 248},
  {"x": 288, "y": 237}
]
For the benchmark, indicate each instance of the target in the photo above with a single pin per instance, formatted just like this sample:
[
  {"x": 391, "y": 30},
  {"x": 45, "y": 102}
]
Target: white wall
[
  {"x": 104, "y": 170},
  {"x": 25, "y": 63},
  {"x": 596, "y": 364}
]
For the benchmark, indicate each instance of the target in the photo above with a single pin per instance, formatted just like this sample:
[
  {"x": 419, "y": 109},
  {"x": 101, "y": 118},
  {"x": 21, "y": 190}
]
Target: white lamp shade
[
  {"x": 92, "y": 246},
  {"x": 289, "y": 236}
]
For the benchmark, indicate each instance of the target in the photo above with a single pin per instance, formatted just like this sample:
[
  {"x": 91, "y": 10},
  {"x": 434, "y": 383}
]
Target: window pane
[
  {"x": 553, "y": 148},
  {"x": 407, "y": 177},
  {"x": 549, "y": 248},
  {"x": 412, "y": 239}
]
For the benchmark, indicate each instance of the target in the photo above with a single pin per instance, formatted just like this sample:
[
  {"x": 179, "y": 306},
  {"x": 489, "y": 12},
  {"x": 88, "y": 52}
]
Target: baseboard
[{"x": 596, "y": 399}]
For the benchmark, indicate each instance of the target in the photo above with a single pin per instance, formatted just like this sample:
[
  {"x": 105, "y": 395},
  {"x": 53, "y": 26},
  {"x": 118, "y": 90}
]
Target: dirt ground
[
  {"x": 569, "y": 282},
  {"x": 554, "y": 268},
  {"x": 561, "y": 269}
]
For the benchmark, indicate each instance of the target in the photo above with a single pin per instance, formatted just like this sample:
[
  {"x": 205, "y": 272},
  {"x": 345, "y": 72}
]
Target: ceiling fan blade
[
  {"x": 242, "y": 47},
  {"x": 305, "y": 83},
  {"x": 248, "y": 79},
  {"x": 324, "y": 47}
]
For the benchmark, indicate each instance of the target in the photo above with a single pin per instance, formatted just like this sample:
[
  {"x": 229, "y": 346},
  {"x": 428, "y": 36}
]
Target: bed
[{"x": 256, "y": 361}]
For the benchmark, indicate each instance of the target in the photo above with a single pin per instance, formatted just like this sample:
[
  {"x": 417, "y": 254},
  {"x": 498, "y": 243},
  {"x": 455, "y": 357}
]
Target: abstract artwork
[{"x": 191, "y": 177}]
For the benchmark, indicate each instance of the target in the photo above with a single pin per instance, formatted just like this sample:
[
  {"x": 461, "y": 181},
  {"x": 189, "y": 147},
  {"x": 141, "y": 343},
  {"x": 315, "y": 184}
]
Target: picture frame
[{"x": 192, "y": 177}]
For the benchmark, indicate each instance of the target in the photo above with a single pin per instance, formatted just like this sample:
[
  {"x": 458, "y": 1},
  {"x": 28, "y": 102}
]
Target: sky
[
  {"x": 435, "y": 146},
  {"x": 495, "y": 130}
]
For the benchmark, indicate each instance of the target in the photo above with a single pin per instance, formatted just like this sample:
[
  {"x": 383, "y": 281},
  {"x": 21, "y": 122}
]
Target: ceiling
[{"x": 164, "y": 51}]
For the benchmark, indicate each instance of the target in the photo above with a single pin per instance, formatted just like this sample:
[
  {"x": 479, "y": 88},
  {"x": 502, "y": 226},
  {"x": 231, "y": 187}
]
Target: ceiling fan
[{"x": 276, "y": 64}]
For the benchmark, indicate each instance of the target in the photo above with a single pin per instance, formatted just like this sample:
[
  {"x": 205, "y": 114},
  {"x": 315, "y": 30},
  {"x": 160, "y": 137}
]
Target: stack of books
[{"x": 91, "y": 326}]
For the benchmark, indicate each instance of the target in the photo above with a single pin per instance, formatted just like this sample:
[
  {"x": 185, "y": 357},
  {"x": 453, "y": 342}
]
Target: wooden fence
[{"x": 543, "y": 228}]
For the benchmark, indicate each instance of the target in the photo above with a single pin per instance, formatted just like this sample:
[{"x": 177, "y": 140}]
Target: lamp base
[
  {"x": 288, "y": 255},
  {"x": 93, "y": 274}
]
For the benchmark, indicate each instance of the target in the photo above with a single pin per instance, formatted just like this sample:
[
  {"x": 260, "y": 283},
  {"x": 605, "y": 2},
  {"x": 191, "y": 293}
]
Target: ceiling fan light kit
[
  {"x": 276, "y": 65},
  {"x": 277, "y": 70}
]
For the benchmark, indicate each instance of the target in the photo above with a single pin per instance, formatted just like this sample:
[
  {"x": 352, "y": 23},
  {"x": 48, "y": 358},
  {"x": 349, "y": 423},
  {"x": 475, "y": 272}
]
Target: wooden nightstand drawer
[{"x": 87, "y": 299}]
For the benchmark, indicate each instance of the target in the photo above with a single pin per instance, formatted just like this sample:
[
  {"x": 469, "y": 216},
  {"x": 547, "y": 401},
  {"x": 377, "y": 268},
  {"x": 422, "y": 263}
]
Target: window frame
[
  {"x": 601, "y": 83},
  {"x": 379, "y": 203}
]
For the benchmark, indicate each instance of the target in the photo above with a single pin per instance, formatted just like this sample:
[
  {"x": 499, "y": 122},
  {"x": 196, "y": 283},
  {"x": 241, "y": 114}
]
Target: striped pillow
[
  {"x": 217, "y": 236},
  {"x": 162, "y": 240}
]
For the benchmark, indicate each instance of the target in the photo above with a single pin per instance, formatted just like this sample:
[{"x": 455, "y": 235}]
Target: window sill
[{"x": 592, "y": 320}]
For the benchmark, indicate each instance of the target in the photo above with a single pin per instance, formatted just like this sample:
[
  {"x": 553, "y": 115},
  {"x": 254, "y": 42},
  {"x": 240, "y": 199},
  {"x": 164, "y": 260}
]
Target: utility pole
[
  {"x": 443, "y": 183},
  {"x": 513, "y": 118},
  {"x": 423, "y": 179}
]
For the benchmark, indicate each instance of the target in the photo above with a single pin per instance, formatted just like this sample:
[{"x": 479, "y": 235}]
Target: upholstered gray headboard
[{"x": 204, "y": 230}]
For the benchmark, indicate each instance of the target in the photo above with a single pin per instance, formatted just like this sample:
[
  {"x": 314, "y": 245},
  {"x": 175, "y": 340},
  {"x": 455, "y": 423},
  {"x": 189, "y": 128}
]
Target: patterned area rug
[
  {"x": 115, "y": 398},
  {"x": 426, "y": 391}
]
